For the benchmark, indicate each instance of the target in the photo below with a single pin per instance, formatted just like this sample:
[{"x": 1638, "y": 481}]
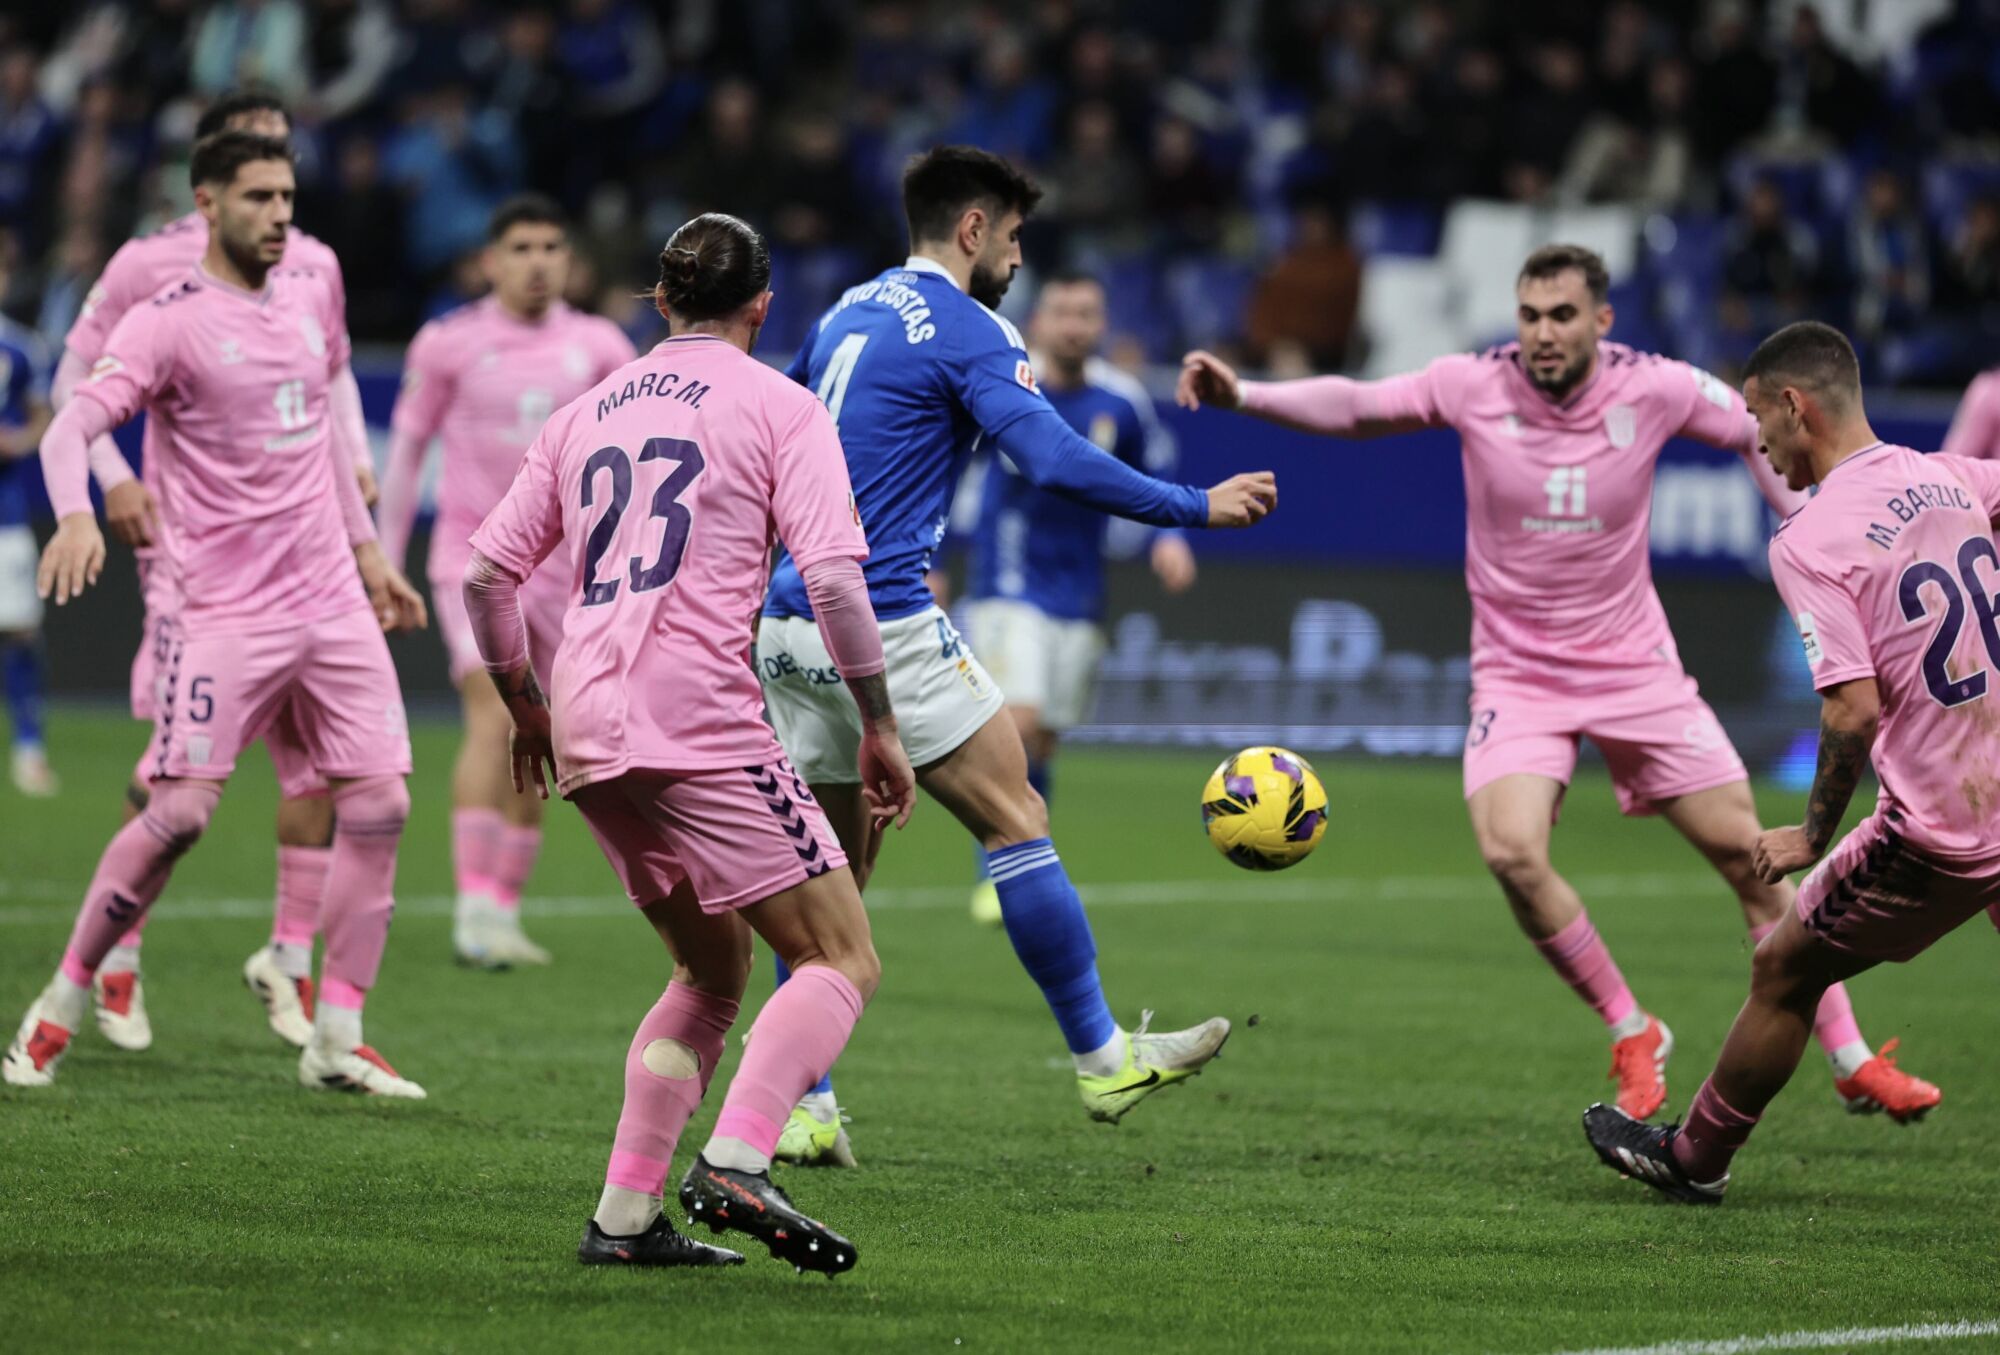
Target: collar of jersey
[
  {"x": 257, "y": 298},
  {"x": 1851, "y": 458},
  {"x": 916, "y": 263}
]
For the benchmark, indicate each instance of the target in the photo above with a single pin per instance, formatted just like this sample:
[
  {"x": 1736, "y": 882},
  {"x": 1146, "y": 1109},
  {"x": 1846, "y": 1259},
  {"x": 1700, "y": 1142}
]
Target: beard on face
[
  {"x": 248, "y": 256},
  {"x": 989, "y": 285},
  {"x": 1563, "y": 382}
]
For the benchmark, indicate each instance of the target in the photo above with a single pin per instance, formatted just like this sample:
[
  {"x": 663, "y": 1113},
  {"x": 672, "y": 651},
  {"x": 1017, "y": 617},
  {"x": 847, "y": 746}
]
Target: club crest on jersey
[
  {"x": 229, "y": 352},
  {"x": 576, "y": 362},
  {"x": 1104, "y": 431},
  {"x": 1510, "y": 424},
  {"x": 1025, "y": 375},
  {"x": 315, "y": 336},
  {"x": 1621, "y": 425}
]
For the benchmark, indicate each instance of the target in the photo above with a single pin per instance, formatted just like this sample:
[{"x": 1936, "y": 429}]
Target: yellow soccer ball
[{"x": 1264, "y": 808}]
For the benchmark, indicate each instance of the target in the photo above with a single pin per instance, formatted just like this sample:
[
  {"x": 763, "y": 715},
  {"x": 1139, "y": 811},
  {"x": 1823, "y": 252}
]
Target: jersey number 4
[
  {"x": 839, "y": 371},
  {"x": 666, "y": 505}
]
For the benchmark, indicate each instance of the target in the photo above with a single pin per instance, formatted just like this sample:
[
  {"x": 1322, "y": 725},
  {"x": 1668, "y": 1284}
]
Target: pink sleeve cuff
[
  {"x": 846, "y": 619},
  {"x": 493, "y": 605}
]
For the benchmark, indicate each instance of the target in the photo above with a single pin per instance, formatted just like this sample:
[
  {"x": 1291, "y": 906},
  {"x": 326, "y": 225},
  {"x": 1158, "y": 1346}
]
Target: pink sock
[
  {"x": 360, "y": 883},
  {"x": 657, "y": 1107},
  {"x": 793, "y": 1044},
  {"x": 475, "y": 848},
  {"x": 1710, "y": 1135},
  {"x": 1580, "y": 957},
  {"x": 301, "y": 886},
  {"x": 514, "y": 862},
  {"x": 134, "y": 869},
  {"x": 1834, "y": 1025}
]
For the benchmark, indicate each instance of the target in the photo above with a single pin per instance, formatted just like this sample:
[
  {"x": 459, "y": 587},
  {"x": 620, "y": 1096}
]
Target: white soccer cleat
[
  {"x": 487, "y": 936},
  {"x": 359, "y": 1069},
  {"x": 119, "y": 997},
  {"x": 32, "y": 774},
  {"x": 1152, "y": 1062},
  {"x": 288, "y": 1002},
  {"x": 38, "y": 1047},
  {"x": 809, "y": 1141}
]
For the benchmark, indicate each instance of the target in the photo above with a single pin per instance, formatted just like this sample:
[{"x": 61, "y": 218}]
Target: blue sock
[
  {"x": 825, "y": 1084},
  {"x": 21, "y": 668},
  {"x": 1045, "y": 922}
]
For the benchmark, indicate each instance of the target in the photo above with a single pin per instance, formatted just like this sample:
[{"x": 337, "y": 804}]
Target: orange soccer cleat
[
  {"x": 1879, "y": 1085},
  {"x": 1639, "y": 1067}
]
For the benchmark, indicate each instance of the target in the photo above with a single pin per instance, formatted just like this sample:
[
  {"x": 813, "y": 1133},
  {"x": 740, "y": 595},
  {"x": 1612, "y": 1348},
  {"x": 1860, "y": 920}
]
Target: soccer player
[
  {"x": 1035, "y": 593},
  {"x": 668, "y": 482},
  {"x": 1888, "y": 572},
  {"x": 915, "y": 368},
  {"x": 24, "y": 414},
  {"x": 283, "y": 585},
  {"x": 483, "y": 379},
  {"x": 279, "y": 973},
  {"x": 1561, "y": 431},
  {"x": 1975, "y": 426}
]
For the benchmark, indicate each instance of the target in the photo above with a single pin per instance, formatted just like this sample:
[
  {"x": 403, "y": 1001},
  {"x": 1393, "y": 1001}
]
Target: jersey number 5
[{"x": 666, "y": 505}]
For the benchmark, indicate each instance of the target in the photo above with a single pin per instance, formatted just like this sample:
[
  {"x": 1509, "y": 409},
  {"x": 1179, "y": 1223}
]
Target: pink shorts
[
  {"x": 1877, "y": 897},
  {"x": 1660, "y": 742},
  {"x": 737, "y": 836},
  {"x": 162, "y": 602},
  {"x": 330, "y": 680},
  {"x": 544, "y": 599}
]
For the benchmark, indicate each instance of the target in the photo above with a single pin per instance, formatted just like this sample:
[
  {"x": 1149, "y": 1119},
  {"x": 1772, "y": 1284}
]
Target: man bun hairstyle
[
  {"x": 216, "y": 159},
  {"x": 235, "y": 104},
  {"x": 943, "y": 183},
  {"x": 712, "y": 267},
  {"x": 531, "y": 209},
  {"x": 1554, "y": 260},
  {"x": 1809, "y": 355}
]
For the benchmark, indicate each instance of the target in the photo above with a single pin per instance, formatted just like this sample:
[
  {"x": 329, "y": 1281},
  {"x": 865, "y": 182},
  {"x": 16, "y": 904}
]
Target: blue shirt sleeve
[
  {"x": 994, "y": 380},
  {"x": 800, "y": 367}
]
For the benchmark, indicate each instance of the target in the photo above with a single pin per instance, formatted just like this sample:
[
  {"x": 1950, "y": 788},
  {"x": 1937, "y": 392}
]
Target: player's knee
[
  {"x": 305, "y": 821},
  {"x": 1515, "y": 859},
  {"x": 863, "y": 969},
  {"x": 375, "y": 805},
  {"x": 1024, "y": 817},
  {"x": 1779, "y": 973},
  {"x": 179, "y": 811}
]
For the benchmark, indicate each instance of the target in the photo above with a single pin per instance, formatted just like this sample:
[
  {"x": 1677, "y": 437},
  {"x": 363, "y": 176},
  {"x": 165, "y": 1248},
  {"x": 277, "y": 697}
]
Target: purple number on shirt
[
  {"x": 666, "y": 504},
  {"x": 614, "y": 460},
  {"x": 1945, "y": 689}
]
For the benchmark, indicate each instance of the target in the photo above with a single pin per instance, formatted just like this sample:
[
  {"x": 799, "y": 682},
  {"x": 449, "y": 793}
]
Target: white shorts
[
  {"x": 20, "y": 609},
  {"x": 940, "y": 692},
  {"x": 1043, "y": 662}
]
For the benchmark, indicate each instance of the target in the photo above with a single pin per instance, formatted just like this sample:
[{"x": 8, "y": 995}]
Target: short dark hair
[
  {"x": 711, "y": 267},
  {"x": 1811, "y": 355},
  {"x": 1552, "y": 260},
  {"x": 940, "y": 185},
  {"x": 237, "y": 102},
  {"x": 216, "y": 159},
  {"x": 534, "y": 209}
]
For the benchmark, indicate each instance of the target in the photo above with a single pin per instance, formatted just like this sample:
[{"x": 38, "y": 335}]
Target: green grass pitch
[{"x": 1387, "y": 1158}]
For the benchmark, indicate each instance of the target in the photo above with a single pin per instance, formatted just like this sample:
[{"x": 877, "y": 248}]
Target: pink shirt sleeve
[
  {"x": 137, "y": 364},
  {"x": 526, "y": 526},
  {"x": 838, "y": 591},
  {"x": 65, "y": 455},
  {"x": 1711, "y": 411},
  {"x": 614, "y": 349},
  {"x": 812, "y": 501},
  {"x": 493, "y": 608},
  {"x": 108, "y": 301},
  {"x": 1975, "y": 427},
  {"x": 107, "y": 464},
  {"x": 1827, "y": 616},
  {"x": 420, "y": 406},
  {"x": 1340, "y": 407}
]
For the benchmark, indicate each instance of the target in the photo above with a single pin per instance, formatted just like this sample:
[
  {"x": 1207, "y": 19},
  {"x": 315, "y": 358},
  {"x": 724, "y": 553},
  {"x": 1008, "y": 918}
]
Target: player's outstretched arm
[
  {"x": 1055, "y": 457},
  {"x": 129, "y": 509},
  {"x": 846, "y": 621},
  {"x": 1849, "y": 715},
  {"x": 1332, "y": 405},
  {"x": 74, "y": 556},
  {"x": 493, "y": 605}
]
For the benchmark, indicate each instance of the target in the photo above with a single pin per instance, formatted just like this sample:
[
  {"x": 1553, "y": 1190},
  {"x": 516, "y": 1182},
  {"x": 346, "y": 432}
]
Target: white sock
[
  {"x": 1847, "y": 1059},
  {"x": 1635, "y": 1024},
  {"x": 821, "y": 1106},
  {"x": 293, "y": 961},
  {"x": 65, "y": 1002},
  {"x": 1106, "y": 1059},
  {"x": 735, "y": 1155},
  {"x": 625, "y": 1213},
  {"x": 336, "y": 1028},
  {"x": 123, "y": 959}
]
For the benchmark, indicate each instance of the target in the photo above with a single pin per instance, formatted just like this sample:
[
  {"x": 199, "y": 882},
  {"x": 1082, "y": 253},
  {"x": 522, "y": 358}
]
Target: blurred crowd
[{"x": 1229, "y": 168}]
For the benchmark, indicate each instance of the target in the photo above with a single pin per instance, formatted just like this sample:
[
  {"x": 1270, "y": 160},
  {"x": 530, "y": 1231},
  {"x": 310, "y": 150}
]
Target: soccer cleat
[
  {"x": 288, "y": 1002},
  {"x": 1151, "y": 1062},
  {"x": 986, "y": 904},
  {"x": 359, "y": 1069},
  {"x": 1645, "y": 1152},
  {"x": 38, "y": 1047},
  {"x": 32, "y": 775},
  {"x": 722, "y": 1197},
  {"x": 1639, "y": 1067},
  {"x": 812, "y": 1142},
  {"x": 120, "y": 999},
  {"x": 1879, "y": 1085},
  {"x": 487, "y": 936},
  {"x": 659, "y": 1245}
]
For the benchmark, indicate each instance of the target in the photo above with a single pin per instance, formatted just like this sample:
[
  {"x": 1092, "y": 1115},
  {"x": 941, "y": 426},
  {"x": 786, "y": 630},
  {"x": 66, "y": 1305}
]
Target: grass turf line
[{"x": 1388, "y": 1161}]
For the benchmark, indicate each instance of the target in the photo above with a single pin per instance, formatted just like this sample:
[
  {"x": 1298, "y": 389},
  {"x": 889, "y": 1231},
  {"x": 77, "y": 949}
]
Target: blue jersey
[
  {"x": 1030, "y": 545},
  {"x": 916, "y": 373},
  {"x": 24, "y": 383}
]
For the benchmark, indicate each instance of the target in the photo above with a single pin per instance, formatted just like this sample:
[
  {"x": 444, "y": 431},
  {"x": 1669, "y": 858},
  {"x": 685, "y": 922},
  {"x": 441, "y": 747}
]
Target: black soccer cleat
[
  {"x": 1646, "y": 1152},
  {"x": 659, "y": 1245},
  {"x": 747, "y": 1201}
]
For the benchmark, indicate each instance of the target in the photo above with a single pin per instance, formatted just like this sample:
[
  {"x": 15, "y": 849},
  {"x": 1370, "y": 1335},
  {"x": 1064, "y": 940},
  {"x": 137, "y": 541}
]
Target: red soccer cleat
[
  {"x": 1639, "y": 1067},
  {"x": 1879, "y": 1085}
]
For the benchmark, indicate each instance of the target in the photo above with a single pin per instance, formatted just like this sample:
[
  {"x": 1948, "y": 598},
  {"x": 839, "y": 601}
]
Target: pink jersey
[
  {"x": 1890, "y": 572},
  {"x": 1975, "y": 428},
  {"x": 483, "y": 381},
  {"x": 1559, "y": 502},
  {"x": 235, "y": 385},
  {"x": 667, "y": 485}
]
